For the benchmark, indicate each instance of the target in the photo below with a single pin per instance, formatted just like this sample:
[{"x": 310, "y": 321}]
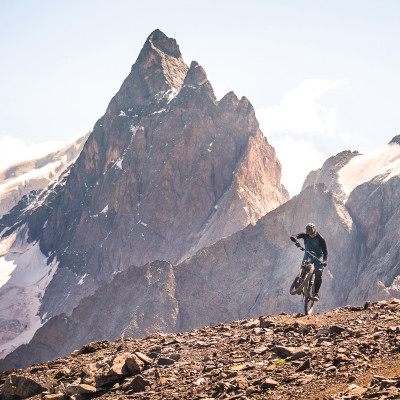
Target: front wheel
[
  {"x": 299, "y": 283},
  {"x": 308, "y": 302}
]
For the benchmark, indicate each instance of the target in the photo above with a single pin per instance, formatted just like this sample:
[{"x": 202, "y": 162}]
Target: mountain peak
[
  {"x": 395, "y": 140},
  {"x": 196, "y": 75},
  {"x": 163, "y": 43},
  {"x": 159, "y": 68}
]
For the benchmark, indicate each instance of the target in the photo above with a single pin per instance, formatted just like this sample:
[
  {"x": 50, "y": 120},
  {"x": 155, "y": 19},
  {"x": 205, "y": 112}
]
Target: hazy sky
[{"x": 323, "y": 75}]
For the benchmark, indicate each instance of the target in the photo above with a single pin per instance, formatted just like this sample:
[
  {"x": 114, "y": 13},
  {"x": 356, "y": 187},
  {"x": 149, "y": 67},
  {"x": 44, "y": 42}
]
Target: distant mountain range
[{"x": 24, "y": 177}]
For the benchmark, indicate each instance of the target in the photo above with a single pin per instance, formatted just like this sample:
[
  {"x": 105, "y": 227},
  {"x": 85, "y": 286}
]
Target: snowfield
[
  {"x": 24, "y": 278},
  {"x": 384, "y": 162},
  {"x": 45, "y": 172}
]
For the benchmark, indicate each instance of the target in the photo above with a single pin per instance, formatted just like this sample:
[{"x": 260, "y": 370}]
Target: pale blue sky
[{"x": 322, "y": 75}]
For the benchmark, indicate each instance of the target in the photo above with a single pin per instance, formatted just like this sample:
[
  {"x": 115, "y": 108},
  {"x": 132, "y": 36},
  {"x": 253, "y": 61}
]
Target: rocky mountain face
[
  {"x": 348, "y": 353},
  {"x": 166, "y": 171},
  {"x": 20, "y": 179},
  {"x": 171, "y": 173},
  {"x": 241, "y": 276},
  {"x": 348, "y": 170},
  {"x": 369, "y": 186},
  {"x": 249, "y": 273},
  {"x": 329, "y": 173}
]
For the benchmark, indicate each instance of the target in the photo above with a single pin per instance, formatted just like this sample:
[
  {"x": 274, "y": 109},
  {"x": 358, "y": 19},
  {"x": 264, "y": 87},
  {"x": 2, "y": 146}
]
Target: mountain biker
[{"x": 314, "y": 242}]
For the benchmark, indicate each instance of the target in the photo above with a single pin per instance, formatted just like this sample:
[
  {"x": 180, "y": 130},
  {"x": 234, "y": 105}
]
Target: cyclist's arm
[
  {"x": 295, "y": 238},
  {"x": 322, "y": 243}
]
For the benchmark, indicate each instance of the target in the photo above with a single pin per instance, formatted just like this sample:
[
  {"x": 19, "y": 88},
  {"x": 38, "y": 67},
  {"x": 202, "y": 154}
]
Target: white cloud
[
  {"x": 299, "y": 123},
  {"x": 298, "y": 158},
  {"x": 300, "y": 112},
  {"x": 14, "y": 149}
]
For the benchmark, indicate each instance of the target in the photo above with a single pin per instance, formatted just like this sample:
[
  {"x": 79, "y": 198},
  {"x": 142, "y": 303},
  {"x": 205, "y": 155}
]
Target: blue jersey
[{"x": 317, "y": 245}]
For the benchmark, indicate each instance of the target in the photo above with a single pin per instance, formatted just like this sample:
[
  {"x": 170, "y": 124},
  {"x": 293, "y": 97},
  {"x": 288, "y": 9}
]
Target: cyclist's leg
[
  {"x": 318, "y": 280},
  {"x": 319, "y": 269}
]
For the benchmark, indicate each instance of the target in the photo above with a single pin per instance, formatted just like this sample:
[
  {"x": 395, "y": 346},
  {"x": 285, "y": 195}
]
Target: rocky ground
[{"x": 349, "y": 353}]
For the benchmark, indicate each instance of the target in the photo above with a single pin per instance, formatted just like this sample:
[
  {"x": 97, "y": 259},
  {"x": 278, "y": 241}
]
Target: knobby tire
[
  {"x": 297, "y": 289},
  {"x": 308, "y": 302}
]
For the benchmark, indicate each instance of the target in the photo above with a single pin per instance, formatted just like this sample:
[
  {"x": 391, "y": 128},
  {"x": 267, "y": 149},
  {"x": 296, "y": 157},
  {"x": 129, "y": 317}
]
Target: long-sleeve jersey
[{"x": 316, "y": 244}]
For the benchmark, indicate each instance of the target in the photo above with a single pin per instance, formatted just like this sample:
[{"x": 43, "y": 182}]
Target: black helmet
[{"x": 310, "y": 228}]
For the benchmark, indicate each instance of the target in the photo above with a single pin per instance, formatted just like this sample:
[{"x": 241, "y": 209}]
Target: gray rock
[
  {"x": 56, "y": 396},
  {"x": 175, "y": 357},
  {"x": 143, "y": 357},
  {"x": 20, "y": 386},
  {"x": 283, "y": 351},
  {"x": 259, "y": 351},
  {"x": 165, "y": 361},
  {"x": 269, "y": 384},
  {"x": 134, "y": 364},
  {"x": 304, "y": 366},
  {"x": 138, "y": 384},
  {"x": 77, "y": 389},
  {"x": 119, "y": 366}
]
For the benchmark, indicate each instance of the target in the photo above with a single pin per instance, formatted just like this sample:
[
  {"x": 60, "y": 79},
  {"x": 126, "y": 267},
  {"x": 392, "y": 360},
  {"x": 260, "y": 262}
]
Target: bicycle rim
[
  {"x": 295, "y": 289},
  {"x": 308, "y": 302}
]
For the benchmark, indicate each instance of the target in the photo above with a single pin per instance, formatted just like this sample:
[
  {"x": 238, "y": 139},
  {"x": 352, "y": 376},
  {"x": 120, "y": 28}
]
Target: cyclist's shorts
[{"x": 317, "y": 264}]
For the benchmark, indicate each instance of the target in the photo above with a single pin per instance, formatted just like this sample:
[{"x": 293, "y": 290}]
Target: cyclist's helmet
[{"x": 310, "y": 228}]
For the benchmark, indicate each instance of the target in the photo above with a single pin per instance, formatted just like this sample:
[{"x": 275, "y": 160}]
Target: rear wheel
[{"x": 299, "y": 283}]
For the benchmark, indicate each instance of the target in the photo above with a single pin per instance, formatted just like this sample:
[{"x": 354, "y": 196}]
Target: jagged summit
[
  {"x": 395, "y": 140},
  {"x": 196, "y": 75},
  {"x": 157, "y": 74},
  {"x": 162, "y": 42}
]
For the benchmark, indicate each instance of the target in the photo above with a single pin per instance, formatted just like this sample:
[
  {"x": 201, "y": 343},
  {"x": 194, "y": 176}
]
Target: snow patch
[
  {"x": 122, "y": 114},
  {"x": 363, "y": 168},
  {"x": 6, "y": 268},
  {"x": 171, "y": 94},
  {"x": 82, "y": 280},
  {"x": 133, "y": 129},
  {"x": 6, "y": 243},
  {"x": 45, "y": 172},
  {"x": 21, "y": 294},
  {"x": 159, "y": 111},
  {"x": 104, "y": 210},
  {"x": 118, "y": 163},
  {"x": 159, "y": 95}
]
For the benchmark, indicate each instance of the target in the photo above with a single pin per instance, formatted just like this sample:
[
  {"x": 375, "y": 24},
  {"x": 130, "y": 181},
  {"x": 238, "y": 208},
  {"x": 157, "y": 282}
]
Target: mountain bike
[{"x": 304, "y": 284}]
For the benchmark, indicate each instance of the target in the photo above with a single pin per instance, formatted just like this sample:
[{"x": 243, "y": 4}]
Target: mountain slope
[
  {"x": 347, "y": 170},
  {"x": 369, "y": 185},
  {"x": 167, "y": 170},
  {"x": 241, "y": 276},
  {"x": 20, "y": 179},
  {"x": 249, "y": 272},
  {"x": 350, "y": 352}
]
